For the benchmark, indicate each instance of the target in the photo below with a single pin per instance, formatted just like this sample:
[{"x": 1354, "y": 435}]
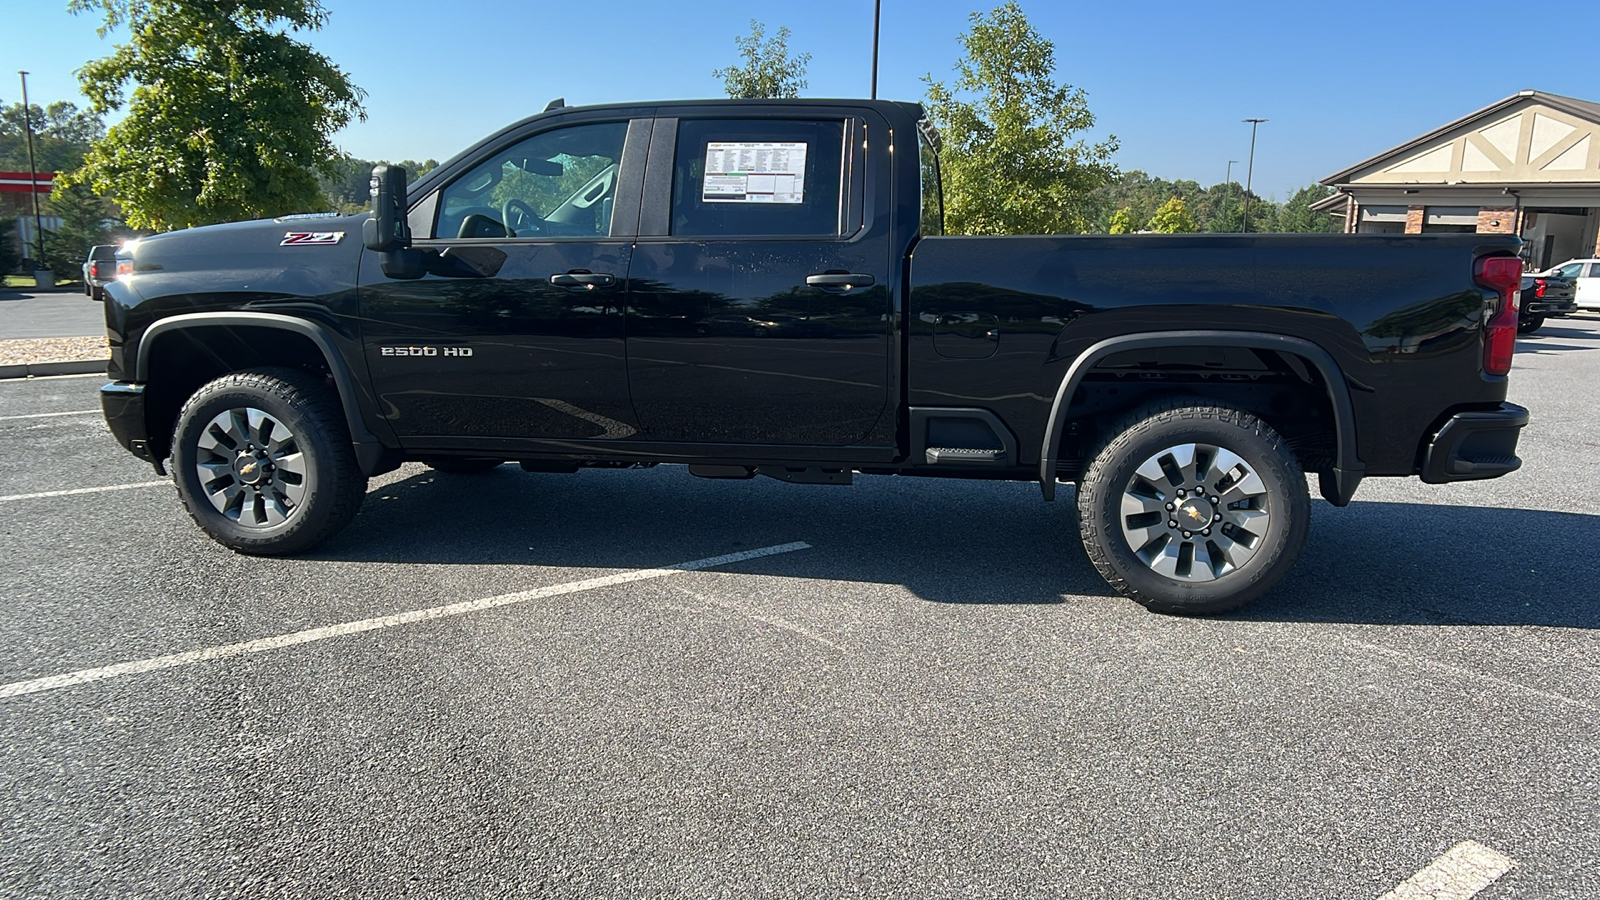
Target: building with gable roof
[{"x": 1528, "y": 165}]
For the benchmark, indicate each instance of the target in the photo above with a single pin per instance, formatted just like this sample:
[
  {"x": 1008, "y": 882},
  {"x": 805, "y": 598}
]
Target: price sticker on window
[{"x": 755, "y": 172}]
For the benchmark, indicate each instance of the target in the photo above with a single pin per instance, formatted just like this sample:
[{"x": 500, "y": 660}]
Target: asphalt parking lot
[{"x": 497, "y": 685}]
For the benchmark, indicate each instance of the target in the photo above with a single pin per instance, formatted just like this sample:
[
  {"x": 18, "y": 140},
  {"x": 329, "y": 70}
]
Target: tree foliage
[
  {"x": 768, "y": 71},
  {"x": 346, "y": 186},
  {"x": 1298, "y": 216},
  {"x": 84, "y": 217},
  {"x": 230, "y": 117},
  {"x": 1172, "y": 218},
  {"x": 10, "y": 256},
  {"x": 1122, "y": 222},
  {"x": 62, "y": 134},
  {"x": 1010, "y": 161}
]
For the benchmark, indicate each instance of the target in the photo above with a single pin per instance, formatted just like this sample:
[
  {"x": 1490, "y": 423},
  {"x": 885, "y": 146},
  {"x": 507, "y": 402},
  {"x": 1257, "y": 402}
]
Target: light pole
[
  {"x": 33, "y": 176},
  {"x": 877, "y": 14},
  {"x": 1227, "y": 183},
  {"x": 1250, "y": 171}
]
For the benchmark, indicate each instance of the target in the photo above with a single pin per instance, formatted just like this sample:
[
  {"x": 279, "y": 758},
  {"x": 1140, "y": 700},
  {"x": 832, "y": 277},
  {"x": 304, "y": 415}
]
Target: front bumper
[
  {"x": 123, "y": 403},
  {"x": 1474, "y": 445}
]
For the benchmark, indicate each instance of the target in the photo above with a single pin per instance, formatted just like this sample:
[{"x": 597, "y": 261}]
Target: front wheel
[
  {"x": 1193, "y": 508},
  {"x": 264, "y": 464}
]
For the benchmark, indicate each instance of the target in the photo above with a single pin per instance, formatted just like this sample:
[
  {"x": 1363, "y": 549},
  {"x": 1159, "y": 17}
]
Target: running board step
[{"x": 965, "y": 456}]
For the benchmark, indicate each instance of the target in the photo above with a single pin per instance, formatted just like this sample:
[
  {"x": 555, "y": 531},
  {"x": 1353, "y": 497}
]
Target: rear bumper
[
  {"x": 123, "y": 403},
  {"x": 1474, "y": 445},
  {"x": 1549, "y": 307}
]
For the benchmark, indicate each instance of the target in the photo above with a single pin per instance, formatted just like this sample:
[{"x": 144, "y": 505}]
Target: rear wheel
[
  {"x": 264, "y": 464},
  {"x": 463, "y": 465},
  {"x": 1193, "y": 508},
  {"x": 1529, "y": 324}
]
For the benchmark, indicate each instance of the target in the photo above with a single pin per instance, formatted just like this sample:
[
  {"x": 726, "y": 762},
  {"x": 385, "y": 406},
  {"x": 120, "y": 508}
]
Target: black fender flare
[
  {"x": 1347, "y": 467},
  {"x": 343, "y": 380}
]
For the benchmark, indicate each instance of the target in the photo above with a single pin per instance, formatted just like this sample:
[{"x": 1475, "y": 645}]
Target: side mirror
[{"x": 387, "y": 231}]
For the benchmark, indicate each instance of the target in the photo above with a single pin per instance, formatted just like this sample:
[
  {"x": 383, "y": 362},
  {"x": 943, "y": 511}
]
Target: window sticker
[{"x": 755, "y": 172}]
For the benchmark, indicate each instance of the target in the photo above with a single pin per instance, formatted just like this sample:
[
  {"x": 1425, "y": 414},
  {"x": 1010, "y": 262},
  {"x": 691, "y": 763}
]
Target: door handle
[
  {"x": 841, "y": 280},
  {"x": 581, "y": 278}
]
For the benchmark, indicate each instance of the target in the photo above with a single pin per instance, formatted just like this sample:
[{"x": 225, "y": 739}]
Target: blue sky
[{"x": 1171, "y": 80}]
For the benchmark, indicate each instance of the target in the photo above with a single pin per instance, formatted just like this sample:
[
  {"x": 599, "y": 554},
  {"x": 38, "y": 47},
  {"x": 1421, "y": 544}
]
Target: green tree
[
  {"x": 1122, "y": 221},
  {"x": 62, "y": 134},
  {"x": 347, "y": 187},
  {"x": 1172, "y": 218},
  {"x": 83, "y": 224},
  {"x": 1010, "y": 163},
  {"x": 1297, "y": 216},
  {"x": 10, "y": 256},
  {"x": 230, "y": 117},
  {"x": 768, "y": 70}
]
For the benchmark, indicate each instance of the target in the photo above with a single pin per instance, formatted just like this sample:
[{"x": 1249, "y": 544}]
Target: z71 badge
[{"x": 311, "y": 237}]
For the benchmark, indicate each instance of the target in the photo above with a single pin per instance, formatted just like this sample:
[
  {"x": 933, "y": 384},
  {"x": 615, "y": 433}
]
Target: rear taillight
[
  {"x": 124, "y": 267},
  {"x": 1503, "y": 275},
  {"x": 1538, "y": 287}
]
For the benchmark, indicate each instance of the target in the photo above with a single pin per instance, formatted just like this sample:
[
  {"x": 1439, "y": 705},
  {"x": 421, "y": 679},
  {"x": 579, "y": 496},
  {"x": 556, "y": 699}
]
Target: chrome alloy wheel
[
  {"x": 1195, "y": 512},
  {"x": 251, "y": 468}
]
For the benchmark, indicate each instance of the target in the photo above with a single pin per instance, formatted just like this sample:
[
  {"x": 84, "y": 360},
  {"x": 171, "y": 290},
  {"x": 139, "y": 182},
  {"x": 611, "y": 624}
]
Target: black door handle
[
  {"x": 583, "y": 279},
  {"x": 843, "y": 280}
]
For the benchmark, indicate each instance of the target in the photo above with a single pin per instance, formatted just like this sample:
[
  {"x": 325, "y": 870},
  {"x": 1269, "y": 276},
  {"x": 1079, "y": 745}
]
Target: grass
[{"x": 27, "y": 281}]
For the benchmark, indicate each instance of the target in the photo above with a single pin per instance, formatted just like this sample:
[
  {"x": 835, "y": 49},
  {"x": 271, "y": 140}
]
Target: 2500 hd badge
[{"x": 425, "y": 351}]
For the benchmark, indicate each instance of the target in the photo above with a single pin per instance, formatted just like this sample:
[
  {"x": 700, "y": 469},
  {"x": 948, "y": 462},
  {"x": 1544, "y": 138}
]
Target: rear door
[{"x": 759, "y": 308}]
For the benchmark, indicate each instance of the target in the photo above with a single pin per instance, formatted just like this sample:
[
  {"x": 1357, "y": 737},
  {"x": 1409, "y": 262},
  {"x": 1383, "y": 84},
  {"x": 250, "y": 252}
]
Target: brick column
[
  {"x": 1414, "y": 219},
  {"x": 1352, "y": 215},
  {"x": 1497, "y": 220}
]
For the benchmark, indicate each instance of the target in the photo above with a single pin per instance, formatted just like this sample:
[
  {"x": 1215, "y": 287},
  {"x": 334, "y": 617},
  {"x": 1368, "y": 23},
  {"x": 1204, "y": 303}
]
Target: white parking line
[
  {"x": 138, "y": 667},
  {"x": 1461, "y": 872},
  {"x": 76, "y": 412},
  {"x": 94, "y": 490}
]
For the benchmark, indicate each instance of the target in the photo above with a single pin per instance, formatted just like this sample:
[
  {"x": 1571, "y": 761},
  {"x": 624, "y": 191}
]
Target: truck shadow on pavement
[{"x": 976, "y": 543}]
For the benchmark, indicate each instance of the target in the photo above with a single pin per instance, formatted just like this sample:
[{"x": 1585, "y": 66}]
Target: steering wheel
[{"x": 528, "y": 221}]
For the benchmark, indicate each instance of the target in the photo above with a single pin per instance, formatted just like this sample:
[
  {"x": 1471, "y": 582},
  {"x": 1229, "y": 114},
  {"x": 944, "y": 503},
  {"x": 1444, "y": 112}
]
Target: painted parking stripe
[
  {"x": 76, "y": 412},
  {"x": 1461, "y": 872},
  {"x": 139, "y": 667},
  {"x": 94, "y": 490}
]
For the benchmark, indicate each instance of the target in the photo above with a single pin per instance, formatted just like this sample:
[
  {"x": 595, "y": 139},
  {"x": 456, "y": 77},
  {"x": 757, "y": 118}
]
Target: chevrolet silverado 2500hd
[{"x": 762, "y": 288}]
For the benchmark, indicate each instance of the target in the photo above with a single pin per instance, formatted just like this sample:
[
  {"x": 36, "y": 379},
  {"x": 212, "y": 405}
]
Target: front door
[
  {"x": 528, "y": 347},
  {"x": 759, "y": 310}
]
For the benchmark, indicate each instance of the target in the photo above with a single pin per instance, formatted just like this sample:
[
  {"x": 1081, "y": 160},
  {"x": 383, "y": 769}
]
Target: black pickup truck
[{"x": 762, "y": 288}]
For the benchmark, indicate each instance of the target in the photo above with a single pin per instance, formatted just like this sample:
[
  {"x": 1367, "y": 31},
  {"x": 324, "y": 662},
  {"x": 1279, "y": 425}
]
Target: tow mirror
[{"x": 387, "y": 231}]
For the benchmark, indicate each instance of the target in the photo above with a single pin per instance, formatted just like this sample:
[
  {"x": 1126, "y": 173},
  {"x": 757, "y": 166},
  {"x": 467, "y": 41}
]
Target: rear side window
[{"x": 737, "y": 177}]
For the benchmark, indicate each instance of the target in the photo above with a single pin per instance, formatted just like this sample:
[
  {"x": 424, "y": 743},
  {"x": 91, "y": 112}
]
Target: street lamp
[
  {"x": 33, "y": 176},
  {"x": 1250, "y": 172},
  {"x": 1227, "y": 182},
  {"x": 877, "y": 13}
]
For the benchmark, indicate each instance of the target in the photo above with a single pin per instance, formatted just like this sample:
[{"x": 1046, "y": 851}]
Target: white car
[{"x": 1586, "y": 272}]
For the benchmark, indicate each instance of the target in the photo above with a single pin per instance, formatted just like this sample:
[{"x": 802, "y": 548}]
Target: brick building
[{"x": 1528, "y": 165}]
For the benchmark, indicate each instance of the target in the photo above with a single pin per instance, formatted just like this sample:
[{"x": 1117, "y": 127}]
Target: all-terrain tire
[
  {"x": 1109, "y": 490},
  {"x": 328, "y": 488}
]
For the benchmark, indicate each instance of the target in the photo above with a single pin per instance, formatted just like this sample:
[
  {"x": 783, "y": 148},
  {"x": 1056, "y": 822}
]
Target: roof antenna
[{"x": 557, "y": 103}]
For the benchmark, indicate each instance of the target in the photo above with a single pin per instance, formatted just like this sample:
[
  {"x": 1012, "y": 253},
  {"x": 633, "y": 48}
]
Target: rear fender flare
[{"x": 1348, "y": 468}]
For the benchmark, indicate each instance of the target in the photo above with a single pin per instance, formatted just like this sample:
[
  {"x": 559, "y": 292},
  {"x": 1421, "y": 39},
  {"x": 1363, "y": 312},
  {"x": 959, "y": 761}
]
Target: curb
[{"x": 36, "y": 370}]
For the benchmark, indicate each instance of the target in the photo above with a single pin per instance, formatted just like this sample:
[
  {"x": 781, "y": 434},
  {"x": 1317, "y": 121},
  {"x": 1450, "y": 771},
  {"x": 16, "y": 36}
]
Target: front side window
[
  {"x": 560, "y": 183},
  {"x": 751, "y": 177},
  {"x": 1570, "y": 270}
]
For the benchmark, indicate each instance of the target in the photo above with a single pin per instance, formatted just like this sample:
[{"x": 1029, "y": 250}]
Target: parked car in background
[
  {"x": 99, "y": 270},
  {"x": 1586, "y": 272},
  {"x": 1544, "y": 296}
]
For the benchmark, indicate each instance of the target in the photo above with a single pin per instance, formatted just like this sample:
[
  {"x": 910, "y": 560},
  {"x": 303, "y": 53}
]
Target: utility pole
[
  {"x": 33, "y": 176},
  {"x": 877, "y": 14},
  {"x": 1227, "y": 185},
  {"x": 1250, "y": 172}
]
